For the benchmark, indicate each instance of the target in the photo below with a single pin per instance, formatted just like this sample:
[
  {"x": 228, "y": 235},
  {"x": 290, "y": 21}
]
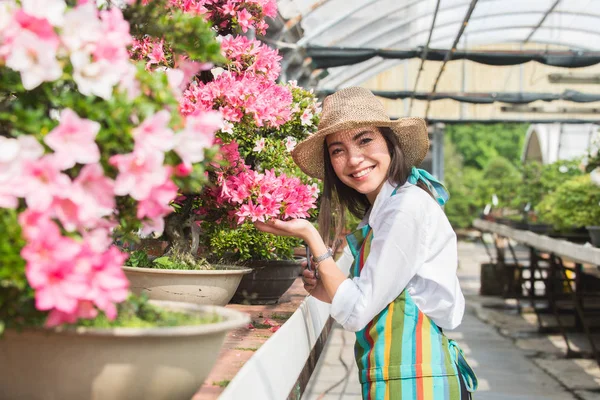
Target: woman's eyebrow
[{"x": 360, "y": 134}]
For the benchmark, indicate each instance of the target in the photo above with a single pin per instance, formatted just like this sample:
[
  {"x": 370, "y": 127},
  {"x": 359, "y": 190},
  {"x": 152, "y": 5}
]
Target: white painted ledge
[
  {"x": 273, "y": 371},
  {"x": 575, "y": 252}
]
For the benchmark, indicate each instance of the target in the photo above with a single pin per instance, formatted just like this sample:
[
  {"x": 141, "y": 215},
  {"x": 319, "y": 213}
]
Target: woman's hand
[
  {"x": 299, "y": 228},
  {"x": 308, "y": 278}
]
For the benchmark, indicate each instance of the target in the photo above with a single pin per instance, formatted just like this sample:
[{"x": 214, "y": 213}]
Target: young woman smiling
[{"x": 402, "y": 289}]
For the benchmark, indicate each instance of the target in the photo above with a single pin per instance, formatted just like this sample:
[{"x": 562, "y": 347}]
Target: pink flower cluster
[
  {"x": 72, "y": 279},
  {"x": 246, "y": 195},
  {"x": 74, "y": 272},
  {"x": 243, "y": 13},
  {"x": 38, "y": 37},
  {"x": 251, "y": 56},
  {"x": 236, "y": 96}
]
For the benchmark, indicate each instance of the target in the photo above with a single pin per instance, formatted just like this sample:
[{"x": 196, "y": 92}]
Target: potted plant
[
  {"x": 574, "y": 204},
  {"x": 228, "y": 210},
  {"x": 263, "y": 122},
  {"x": 498, "y": 185},
  {"x": 93, "y": 150}
]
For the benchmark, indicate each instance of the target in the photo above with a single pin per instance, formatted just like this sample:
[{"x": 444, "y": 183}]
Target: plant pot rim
[
  {"x": 234, "y": 270},
  {"x": 232, "y": 319},
  {"x": 592, "y": 227}
]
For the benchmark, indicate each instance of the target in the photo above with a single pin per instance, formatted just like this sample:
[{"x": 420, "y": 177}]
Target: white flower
[
  {"x": 259, "y": 145},
  {"x": 81, "y": 27},
  {"x": 95, "y": 78},
  {"x": 290, "y": 143},
  {"x": 563, "y": 169},
  {"x": 6, "y": 14},
  {"x": 52, "y": 10},
  {"x": 217, "y": 71},
  {"x": 227, "y": 127},
  {"x": 306, "y": 118},
  {"x": 34, "y": 59}
]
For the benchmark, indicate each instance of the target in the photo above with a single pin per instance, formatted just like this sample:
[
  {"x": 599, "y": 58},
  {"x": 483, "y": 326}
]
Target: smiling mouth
[{"x": 362, "y": 173}]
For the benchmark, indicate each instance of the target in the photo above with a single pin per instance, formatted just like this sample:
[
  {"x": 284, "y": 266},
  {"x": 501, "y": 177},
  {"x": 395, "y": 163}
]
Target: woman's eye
[
  {"x": 336, "y": 151},
  {"x": 365, "y": 140}
]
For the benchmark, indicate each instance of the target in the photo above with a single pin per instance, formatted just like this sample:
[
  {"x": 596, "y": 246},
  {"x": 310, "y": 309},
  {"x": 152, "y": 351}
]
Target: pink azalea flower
[
  {"x": 41, "y": 181},
  {"x": 58, "y": 287},
  {"x": 228, "y": 8},
  {"x": 85, "y": 309},
  {"x": 40, "y": 27},
  {"x": 97, "y": 188},
  {"x": 251, "y": 212},
  {"x": 154, "y": 133},
  {"x": 108, "y": 283},
  {"x": 73, "y": 140},
  {"x": 139, "y": 172},
  {"x": 244, "y": 20},
  {"x": 199, "y": 134},
  {"x": 157, "y": 205}
]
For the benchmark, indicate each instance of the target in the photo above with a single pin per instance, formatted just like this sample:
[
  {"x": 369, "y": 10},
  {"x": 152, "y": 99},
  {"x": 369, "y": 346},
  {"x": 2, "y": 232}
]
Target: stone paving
[{"x": 512, "y": 360}]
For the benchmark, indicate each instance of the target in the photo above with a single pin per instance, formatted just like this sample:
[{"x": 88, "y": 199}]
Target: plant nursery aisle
[{"x": 505, "y": 372}]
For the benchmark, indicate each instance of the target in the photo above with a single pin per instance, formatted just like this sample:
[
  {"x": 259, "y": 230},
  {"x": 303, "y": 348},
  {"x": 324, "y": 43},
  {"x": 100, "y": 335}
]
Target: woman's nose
[{"x": 355, "y": 157}]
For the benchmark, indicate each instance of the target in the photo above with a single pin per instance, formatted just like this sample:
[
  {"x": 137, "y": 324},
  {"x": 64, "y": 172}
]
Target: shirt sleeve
[{"x": 395, "y": 256}]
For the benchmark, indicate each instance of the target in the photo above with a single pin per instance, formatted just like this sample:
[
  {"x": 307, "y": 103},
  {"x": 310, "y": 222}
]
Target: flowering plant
[
  {"x": 263, "y": 121},
  {"x": 92, "y": 148}
]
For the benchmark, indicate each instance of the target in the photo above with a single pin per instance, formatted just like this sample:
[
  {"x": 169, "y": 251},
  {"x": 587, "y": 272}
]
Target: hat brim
[{"x": 411, "y": 132}]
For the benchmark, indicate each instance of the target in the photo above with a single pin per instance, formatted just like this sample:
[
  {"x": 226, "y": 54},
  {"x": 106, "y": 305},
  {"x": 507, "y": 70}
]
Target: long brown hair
[{"x": 337, "y": 197}]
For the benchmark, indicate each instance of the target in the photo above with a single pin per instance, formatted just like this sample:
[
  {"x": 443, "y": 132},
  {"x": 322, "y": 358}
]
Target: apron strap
[{"x": 464, "y": 368}]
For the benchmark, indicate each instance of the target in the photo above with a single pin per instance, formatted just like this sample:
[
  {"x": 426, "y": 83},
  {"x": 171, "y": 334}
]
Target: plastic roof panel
[{"x": 407, "y": 25}]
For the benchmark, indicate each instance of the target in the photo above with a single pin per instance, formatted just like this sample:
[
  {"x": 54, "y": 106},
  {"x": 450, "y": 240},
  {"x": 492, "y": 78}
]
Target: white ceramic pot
[
  {"x": 114, "y": 364},
  {"x": 214, "y": 287}
]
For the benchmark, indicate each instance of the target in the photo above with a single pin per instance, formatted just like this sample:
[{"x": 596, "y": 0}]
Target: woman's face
[{"x": 360, "y": 159}]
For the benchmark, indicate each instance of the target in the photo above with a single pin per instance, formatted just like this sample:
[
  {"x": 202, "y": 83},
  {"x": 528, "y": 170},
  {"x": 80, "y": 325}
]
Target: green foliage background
[{"x": 480, "y": 160}]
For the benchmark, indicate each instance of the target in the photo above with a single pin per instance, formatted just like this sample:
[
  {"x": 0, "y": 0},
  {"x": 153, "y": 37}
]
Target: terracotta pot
[
  {"x": 268, "y": 280},
  {"x": 211, "y": 287},
  {"x": 117, "y": 364}
]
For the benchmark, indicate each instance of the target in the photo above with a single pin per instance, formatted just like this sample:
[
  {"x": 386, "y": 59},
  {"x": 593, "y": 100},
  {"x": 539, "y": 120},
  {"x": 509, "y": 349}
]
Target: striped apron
[{"x": 401, "y": 353}]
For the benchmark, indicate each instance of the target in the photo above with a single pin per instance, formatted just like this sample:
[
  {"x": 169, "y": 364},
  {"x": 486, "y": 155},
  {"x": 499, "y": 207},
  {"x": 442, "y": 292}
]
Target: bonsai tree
[
  {"x": 499, "y": 178},
  {"x": 575, "y": 203},
  {"x": 93, "y": 148},
  {"x": 263, "y": 122}
]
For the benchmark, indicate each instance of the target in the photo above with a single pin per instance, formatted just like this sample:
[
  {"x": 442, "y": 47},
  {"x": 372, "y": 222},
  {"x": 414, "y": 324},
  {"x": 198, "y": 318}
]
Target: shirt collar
[{"x": 384, "y": 194}]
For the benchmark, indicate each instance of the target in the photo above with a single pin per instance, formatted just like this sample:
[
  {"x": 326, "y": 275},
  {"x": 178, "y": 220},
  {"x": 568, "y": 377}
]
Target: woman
[{"x": 402, "y": 289}]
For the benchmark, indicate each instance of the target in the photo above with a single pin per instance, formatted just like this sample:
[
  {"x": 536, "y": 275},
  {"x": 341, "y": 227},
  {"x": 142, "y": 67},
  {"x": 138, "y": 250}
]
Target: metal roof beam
[
  {"x": 424, "y": 55},
  {"x": 534, "y": 30},
  {"x": 452, "y": 50}
]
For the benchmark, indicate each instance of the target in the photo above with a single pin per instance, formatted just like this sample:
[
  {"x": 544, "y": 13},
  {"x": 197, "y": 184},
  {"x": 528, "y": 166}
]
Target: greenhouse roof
[{"x": 331, "y": 44}]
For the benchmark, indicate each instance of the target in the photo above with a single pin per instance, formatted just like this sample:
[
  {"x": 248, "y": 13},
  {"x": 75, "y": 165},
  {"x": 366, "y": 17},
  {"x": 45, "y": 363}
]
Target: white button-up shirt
[{"x": 413, "y": 248}]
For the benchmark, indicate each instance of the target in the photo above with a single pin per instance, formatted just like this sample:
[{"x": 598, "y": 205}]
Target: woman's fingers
[{"x": 310, "y": 282}]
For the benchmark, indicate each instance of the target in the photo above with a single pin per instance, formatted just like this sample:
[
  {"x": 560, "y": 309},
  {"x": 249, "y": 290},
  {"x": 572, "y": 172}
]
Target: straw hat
[{"x": 352, "y": 108}]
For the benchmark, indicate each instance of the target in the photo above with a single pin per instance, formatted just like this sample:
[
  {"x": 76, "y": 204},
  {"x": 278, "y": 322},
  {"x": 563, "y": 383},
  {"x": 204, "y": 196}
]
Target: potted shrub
[
  {"x": 228, "y": 235},
  {"x": 93, "y": 150},
  {"x": 498, "y": 184},
  {"x": 263, "y": 122},
  {"x": 574, "y": 204}
]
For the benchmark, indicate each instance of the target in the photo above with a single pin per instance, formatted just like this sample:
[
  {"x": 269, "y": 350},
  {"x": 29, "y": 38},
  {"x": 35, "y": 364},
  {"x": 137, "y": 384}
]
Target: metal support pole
[{"x": 438, "y": 151}]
